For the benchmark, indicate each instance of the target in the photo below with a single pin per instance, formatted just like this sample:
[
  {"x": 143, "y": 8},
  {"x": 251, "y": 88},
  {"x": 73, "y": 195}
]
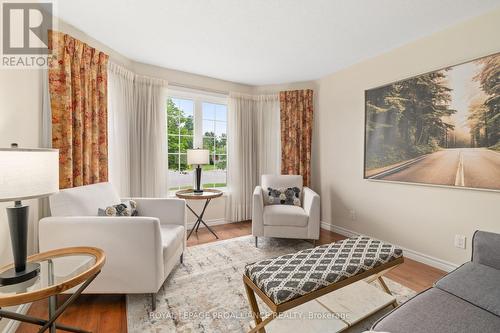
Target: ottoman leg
[
  {"x": 254, "y": 307},
  {"x": 387, "y": 290}
]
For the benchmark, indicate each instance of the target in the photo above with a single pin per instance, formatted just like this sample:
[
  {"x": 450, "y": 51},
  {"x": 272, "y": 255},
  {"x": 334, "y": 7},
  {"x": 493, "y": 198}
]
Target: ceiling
[{"x": 261, "y": 42}]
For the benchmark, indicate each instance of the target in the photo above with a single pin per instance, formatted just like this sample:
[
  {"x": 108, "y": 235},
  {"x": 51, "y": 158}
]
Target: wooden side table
[
  {"x": 60, "y": 270},
  {"x": 206, "y": 195}
]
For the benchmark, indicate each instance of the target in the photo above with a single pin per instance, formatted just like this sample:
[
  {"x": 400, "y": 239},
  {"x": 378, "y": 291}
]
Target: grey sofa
[{"x": 465, "y": 300}]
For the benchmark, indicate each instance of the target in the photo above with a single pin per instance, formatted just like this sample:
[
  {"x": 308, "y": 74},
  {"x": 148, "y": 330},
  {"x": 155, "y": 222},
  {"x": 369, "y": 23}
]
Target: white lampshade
[
  {"x": 28, "y": 173},
  {"x": 197, "y": 156}
]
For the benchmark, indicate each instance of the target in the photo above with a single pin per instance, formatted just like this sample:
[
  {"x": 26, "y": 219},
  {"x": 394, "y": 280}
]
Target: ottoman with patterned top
[{"x": 290, "y": 280}]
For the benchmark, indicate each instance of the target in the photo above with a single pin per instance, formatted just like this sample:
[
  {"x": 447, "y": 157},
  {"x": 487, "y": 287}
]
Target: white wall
[
  {"x": 287, "y": 86},
  {"x": 20, "y": 110},
  {"x": 424, "y": 219},
  {"x": 190, "y": 80},
  {"x": 78, "y": 34}
]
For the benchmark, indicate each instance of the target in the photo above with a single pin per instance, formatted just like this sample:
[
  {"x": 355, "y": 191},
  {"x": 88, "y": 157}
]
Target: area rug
[{"x": 206, "y": 293}]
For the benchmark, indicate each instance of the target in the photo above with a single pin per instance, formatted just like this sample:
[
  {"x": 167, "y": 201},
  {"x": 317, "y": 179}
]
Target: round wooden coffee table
[
  {"x": 60, "y": 270},
  {"x": 206, "y": 195}
]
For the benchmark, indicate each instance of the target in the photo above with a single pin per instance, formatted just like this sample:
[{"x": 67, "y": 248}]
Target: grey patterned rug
[{"x": 206, "y": 293}]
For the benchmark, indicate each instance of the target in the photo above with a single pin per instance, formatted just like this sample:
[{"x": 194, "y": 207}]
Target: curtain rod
[{"x": 180, "y": 85}]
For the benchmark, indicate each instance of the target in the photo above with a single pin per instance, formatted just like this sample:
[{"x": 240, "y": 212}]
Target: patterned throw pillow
[
  {"x": 283, "y": 196},
  {"x": 127, "y": 208},
  {"x": 132, "y": 205}
]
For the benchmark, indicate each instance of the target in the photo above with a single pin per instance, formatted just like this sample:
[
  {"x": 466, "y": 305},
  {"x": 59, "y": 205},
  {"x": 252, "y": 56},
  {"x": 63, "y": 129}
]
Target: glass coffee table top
[{"x": 60, "y": 270}]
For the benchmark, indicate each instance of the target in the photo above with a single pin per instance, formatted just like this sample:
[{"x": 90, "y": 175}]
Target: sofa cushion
[
  {"x": 172, "y": 236},
  {"x": 486, "y": 249},
  {"x": 83, "y": 200},
  {"x": 475, "y": 283},
  {"x": 435, "y": 310},
  {"x": 285, "y": 215}
]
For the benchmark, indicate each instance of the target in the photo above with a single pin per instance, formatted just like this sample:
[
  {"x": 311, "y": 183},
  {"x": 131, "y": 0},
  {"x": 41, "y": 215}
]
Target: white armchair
[
  {"x": 141, "y": 251},
  {"x": 285, "y": 221}
]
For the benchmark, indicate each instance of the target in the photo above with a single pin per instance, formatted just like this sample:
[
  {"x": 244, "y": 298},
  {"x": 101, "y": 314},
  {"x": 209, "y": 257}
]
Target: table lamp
[
  {"x": 24, "y": 174},
  {"x": 198, "y": 157}
]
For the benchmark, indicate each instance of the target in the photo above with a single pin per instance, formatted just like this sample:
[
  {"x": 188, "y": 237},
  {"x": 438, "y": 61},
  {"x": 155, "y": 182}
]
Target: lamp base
[
  {"x": 10, "y": 276},
  {"x": 198, "y": 189}
]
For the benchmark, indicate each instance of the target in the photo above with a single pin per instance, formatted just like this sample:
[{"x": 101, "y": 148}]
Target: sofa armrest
[
  {"x": 486, "y": 248},
  {"x": 132, "y": 246},
  {"x": 311, "y": 204},
  {"x": 168, "y": 211},
  {"x": 257, "y": 212}
]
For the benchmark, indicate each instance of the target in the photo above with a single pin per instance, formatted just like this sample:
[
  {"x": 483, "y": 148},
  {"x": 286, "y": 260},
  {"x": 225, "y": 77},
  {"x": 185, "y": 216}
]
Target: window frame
[{"x": 198, "y": 98}]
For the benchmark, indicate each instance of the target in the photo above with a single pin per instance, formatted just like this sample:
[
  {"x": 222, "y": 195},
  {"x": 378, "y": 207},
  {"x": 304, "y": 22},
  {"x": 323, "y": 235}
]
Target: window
[
  {"x": 196, "y": 120},
  {"x": 180, "y": 119},
  {"x": 215, "y": 140}
]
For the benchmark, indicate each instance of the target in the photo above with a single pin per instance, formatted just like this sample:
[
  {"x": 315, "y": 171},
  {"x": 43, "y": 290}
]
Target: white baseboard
[
  {"x": 13, "y": 325},
  {"x": 209, "y": 222},
  {"x": 338, "y": 230},
  {"x": 409, "y": 253}
]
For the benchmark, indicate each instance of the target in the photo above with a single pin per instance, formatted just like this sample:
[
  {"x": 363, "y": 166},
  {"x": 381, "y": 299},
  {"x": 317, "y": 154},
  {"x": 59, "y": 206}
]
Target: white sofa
[
  {"x": 141, "y": 251},
  {"x": 285, "y": 221}
]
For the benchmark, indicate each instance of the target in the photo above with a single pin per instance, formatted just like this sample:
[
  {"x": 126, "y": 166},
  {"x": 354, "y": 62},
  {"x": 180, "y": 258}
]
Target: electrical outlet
[
  {"x": 460, "y": 241},
  {"x": 352, "y": 213}
]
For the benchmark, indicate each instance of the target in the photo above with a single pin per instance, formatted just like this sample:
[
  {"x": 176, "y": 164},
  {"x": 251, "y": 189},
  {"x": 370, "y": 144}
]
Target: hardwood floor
[
  {"x": 107, "y": 313},
  {"x": 96, "y": 313}
]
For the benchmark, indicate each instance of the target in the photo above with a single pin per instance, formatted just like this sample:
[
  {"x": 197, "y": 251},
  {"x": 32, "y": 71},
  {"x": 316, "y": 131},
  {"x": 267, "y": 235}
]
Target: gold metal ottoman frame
[{"x": 251, "y": 289}]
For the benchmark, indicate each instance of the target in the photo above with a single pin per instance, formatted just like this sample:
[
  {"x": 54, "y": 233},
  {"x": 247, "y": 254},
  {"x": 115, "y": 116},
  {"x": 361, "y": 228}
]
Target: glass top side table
[{"x": 60, "y": 270}]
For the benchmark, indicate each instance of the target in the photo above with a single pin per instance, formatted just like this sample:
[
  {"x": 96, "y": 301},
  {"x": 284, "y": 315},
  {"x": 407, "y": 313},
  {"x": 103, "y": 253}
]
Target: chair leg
[
  {"x": 256, "y": 241},
  {"x": 182, "y": 258},
  {"x": 153, "y": 302},
  {"x": 314, "y": 243}
]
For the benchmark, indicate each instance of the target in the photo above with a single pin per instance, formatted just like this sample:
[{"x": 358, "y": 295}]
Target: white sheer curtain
[
  {"x": 46, "y": 142},
  {"x": 137, "y": 133},
  {"x": 120, "y": 109},
  {"x": 242, "y": 162},
  {"x": 268, "y": 135},
  {"x": 253, "y": 149},
  {"x": 148, "y": 144}
]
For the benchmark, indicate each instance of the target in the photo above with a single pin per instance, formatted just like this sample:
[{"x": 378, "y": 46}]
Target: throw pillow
[
  {"x": 132, "y": 205},
  {"x": 283, "y": 196},
  {"x": 127, "y": 208}
]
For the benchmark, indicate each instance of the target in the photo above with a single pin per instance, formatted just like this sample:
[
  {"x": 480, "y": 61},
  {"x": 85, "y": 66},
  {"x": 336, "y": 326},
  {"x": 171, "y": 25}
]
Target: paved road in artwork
[{"x": 469, "y": 167}]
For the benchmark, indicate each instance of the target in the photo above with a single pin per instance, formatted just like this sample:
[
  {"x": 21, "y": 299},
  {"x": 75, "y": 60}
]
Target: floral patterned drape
[
  {"x": 78, "y": 95},
  {"x": 296, "y": 113}
]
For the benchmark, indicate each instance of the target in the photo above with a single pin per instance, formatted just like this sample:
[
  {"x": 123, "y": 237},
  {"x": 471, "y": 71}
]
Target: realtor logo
[{"x": 25, "y": 31}]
